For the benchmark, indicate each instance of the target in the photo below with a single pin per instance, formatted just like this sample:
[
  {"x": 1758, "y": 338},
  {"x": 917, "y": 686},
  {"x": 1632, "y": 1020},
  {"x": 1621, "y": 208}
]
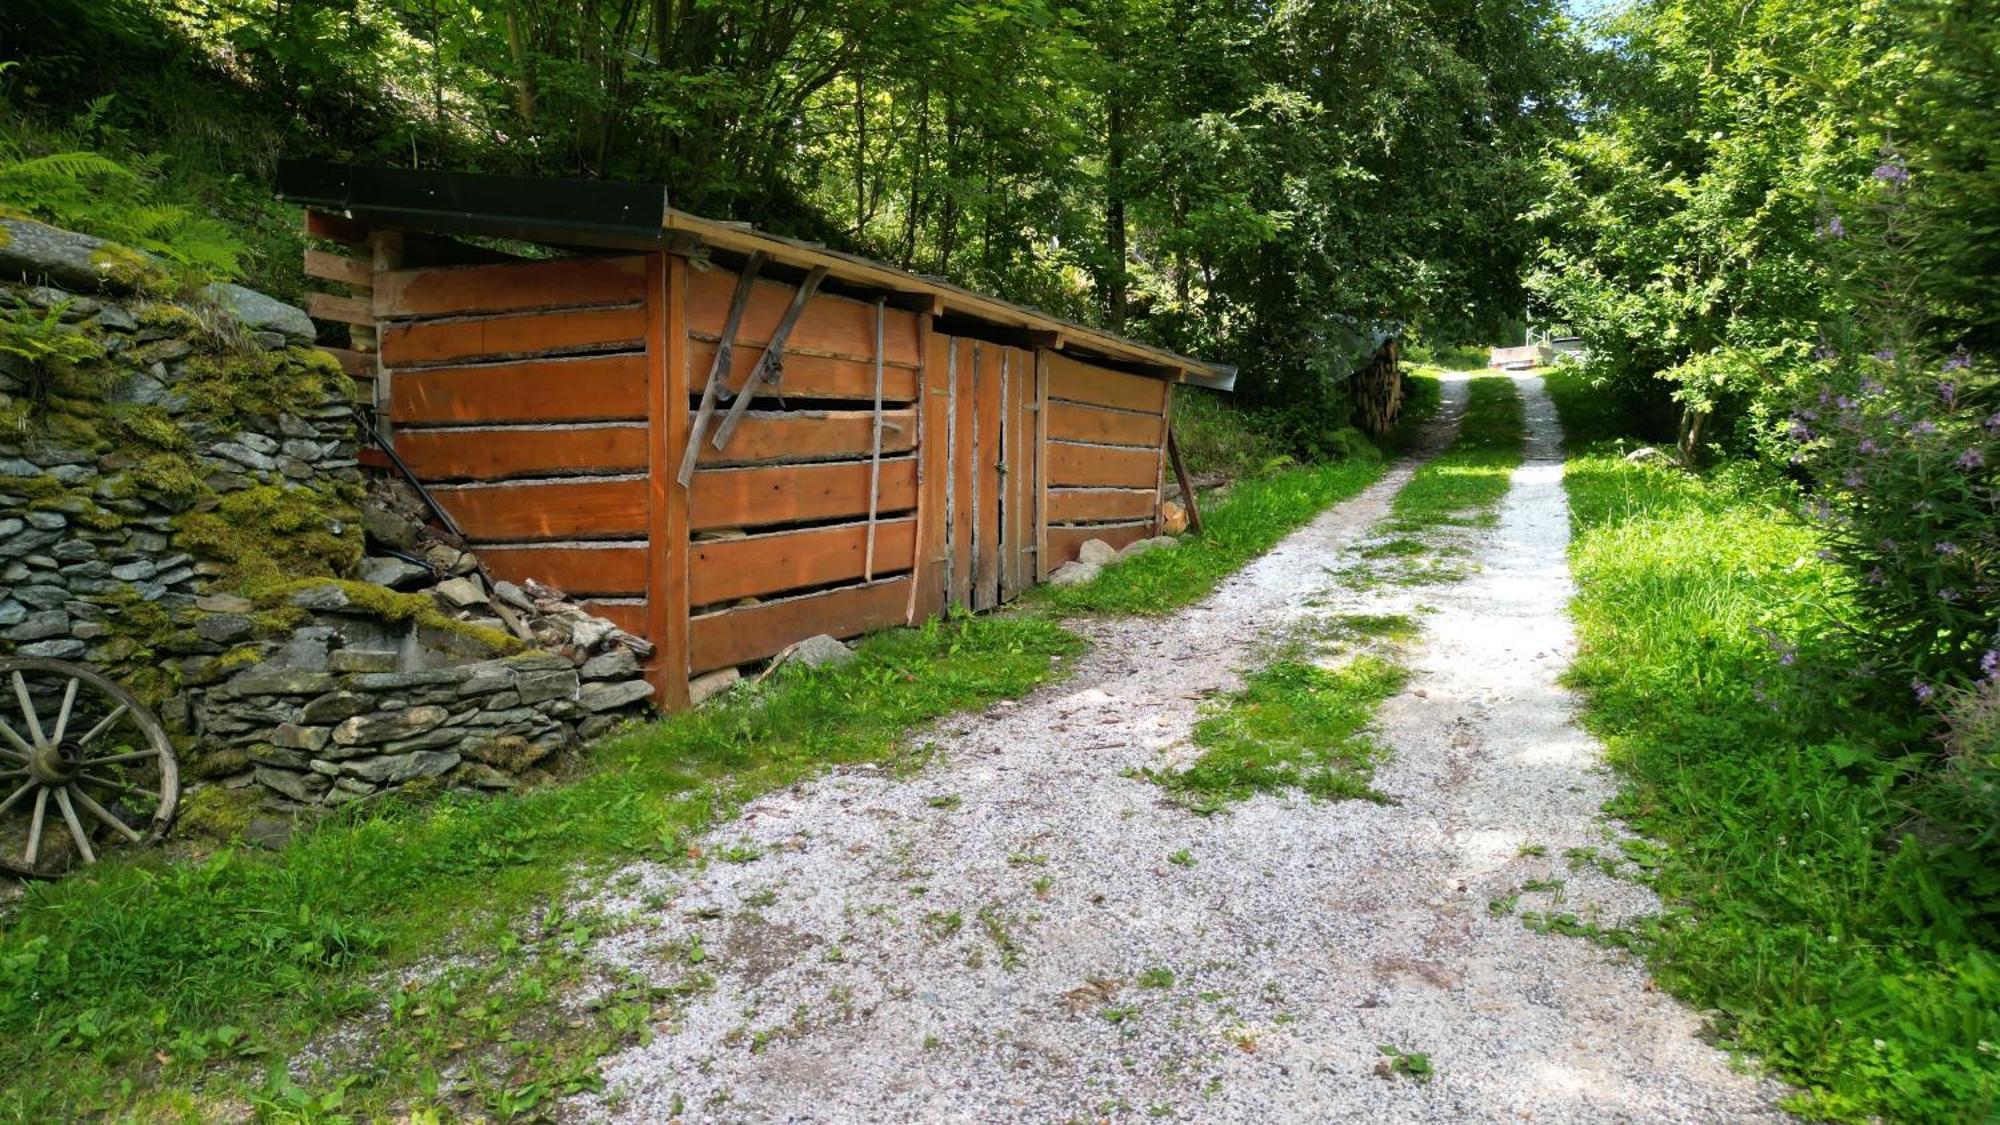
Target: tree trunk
[{"x": 1114, "y": 212}]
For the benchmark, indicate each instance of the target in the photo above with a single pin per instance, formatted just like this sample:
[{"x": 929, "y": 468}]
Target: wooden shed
[{"x": 724, "y": 440}]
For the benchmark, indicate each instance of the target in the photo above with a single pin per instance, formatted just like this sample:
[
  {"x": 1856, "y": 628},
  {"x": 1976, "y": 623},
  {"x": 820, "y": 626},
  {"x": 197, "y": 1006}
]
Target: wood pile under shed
[{"x": 723, "y": 440}]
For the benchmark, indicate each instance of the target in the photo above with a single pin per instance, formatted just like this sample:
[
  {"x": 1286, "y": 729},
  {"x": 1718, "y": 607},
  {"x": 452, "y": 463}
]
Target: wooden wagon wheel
[{"x": 86, "y": 760}]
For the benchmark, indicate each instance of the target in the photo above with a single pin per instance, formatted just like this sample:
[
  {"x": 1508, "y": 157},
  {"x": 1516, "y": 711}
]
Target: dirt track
[{"x": 973, "y": 943}]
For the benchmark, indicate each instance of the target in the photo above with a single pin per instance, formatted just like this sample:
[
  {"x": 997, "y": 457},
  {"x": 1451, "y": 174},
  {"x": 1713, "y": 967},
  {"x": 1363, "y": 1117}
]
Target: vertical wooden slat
[
  {"x": 667, "y": 531},
  {"x": 385, "y": 253},
  {"x": 1042, "y": 567},
  {"x": 1160, "y": 494},
  {"x": 1011, "y": 374},
  {"x": 962, "y": 462},
  {"x": 986, "y": 584},
  {"x": 933, "y": 469},
  {"x": 875, "y": 453}
]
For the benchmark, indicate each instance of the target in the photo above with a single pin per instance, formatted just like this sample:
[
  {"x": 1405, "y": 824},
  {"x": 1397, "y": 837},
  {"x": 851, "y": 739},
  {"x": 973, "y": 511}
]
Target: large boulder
[
  {"x": 36, "y": 252},
  {"x": 260, "y": 313},
  {"x": 1096, "y": 551}
]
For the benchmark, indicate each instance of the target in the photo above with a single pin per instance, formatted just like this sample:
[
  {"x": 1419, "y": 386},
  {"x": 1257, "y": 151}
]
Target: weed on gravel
[
  {"x": 1462, "y": 485},
  {"x": 1808, "y": 908},
  {"x": 1294, "y": 726},
  {"x": 115, "y": 986}
]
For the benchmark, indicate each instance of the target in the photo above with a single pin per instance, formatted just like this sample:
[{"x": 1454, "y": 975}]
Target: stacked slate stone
[
  {"x": 349, "y": 704},
  {"x": 403, "y": 664}
]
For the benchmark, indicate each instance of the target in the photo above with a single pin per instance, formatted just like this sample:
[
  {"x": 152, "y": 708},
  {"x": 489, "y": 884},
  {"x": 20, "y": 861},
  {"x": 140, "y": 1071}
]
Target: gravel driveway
[{"x": 1024, "y": 931}]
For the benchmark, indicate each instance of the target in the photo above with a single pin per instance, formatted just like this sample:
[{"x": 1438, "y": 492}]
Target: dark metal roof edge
[{"x": 579, "y": 211}]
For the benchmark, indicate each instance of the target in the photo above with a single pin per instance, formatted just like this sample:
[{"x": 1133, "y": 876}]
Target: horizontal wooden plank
[
  {"x": 335, "y": 228},
  {"x": 343, "y": 310},
  {"x": 572, "y": 568},
  {"x": 494, "y": 453},
  {"x": 509, "y": 285},
  {"x": 739, "y": 636},
  {"x": 360, "y": 365},
  {"x": 589, "y": 509},
  {"x": 1102, "y": 465},
  {"x": 1071, "y": 505},
  {"x": 406, "y": 343},
  {"x": 1064, "y": 542},
  {"x": 1083, "y": 382},
  {"x": 629, "y": 616},
  {"x": 829, "y": 324},
  {"x": 1069, "y": 421},
  {"x": 723, "y": 570},
  {"x": 805, "y": 376},
  {"x": 803, "y": 435},
  {"x": 358, "y": 272},
  {"x": 795, "y": 493},
  {"x": 549, "y": 390}
]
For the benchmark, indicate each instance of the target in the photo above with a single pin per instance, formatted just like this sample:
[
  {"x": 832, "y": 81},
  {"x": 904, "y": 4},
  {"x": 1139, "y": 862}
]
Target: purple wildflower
[
  {"x": 1868, "y": 446},
  {"x": 1958, "y": 360},
  {"x": 1824, "y": 353},
  {"x": 1844, "y": 402},
  {"x": 1886, "y": 355},
  {"x": 1948, "y": 392},
  {"x": 1922, "y": 690},
  {"x": 1876, "y": 577},
  {"x": 1924, "y": 427},
  {"x": 1801, "y": 432},
  {"x": 1853, "y": 479},
  {"x": 1989, "y": 665},
  {"x": 1888, "y": 546},
  {"x": 1948, "y": 596},
  {"x": 1946, "y": 547},
  {"x": 1890, "y": 172},
  {"x": 1992, "y": 421},
  {"x": 1871, "y": 386},
  {"x": 1833, "y": 228},
  {"x": 1971, "y": 459}
]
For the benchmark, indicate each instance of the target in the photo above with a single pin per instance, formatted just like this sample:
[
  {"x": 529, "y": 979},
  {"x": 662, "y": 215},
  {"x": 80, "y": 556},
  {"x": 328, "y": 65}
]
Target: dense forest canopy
[{"x": 1230, "y": 179}]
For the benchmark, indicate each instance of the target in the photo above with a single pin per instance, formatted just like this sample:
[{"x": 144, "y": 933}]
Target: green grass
[
  {"x": 99, "y": 972},
  {"x": 1840, "y": 947},
  {"x": 1462, "y": 485},
  {"x": 1294, "y": 725},
  {"x": 1238, "y": 526}
]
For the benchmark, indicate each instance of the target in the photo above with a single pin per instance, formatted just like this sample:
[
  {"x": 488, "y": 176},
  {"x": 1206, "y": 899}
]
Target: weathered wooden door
[{"x": 990, "y": 463}]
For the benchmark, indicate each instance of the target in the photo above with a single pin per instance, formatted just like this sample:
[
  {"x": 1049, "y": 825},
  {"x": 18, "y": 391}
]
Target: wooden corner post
[{"x": 667, "y": 527}]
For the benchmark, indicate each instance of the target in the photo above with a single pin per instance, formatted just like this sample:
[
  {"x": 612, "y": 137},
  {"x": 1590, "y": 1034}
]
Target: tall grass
[{"x": 1831, "y": 938}]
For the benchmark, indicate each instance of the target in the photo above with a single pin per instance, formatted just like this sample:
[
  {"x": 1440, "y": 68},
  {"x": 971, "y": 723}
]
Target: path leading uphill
[{"x": 1004, "y": 937}]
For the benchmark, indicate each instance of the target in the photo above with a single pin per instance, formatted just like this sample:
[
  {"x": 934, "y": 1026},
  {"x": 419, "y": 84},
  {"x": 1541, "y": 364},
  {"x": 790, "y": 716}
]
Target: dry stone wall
[{"x": 181, "y": 504}]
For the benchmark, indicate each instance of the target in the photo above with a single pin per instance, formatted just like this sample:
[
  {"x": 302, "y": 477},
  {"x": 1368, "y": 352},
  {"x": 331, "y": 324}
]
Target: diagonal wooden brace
[{"x": 774, "y": 353}]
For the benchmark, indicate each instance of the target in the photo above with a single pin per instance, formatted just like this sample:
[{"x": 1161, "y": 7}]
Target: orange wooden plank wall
[
  {"x": 781, "y": 546},
  {"x": 1105, "y": 447}
]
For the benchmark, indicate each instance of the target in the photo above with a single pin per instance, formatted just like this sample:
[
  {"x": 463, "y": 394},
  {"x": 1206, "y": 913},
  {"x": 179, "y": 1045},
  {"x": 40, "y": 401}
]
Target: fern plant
[
  {"x": 96, "y": 194},
  {"x": 45, "y": 356}
]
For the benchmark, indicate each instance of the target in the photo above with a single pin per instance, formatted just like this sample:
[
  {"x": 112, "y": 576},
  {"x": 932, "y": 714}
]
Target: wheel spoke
[
  {"x": 62, "y": 715},
  {"x": 114, "y": 759},
  {"x": 104, "y": 814},
  {"x": 102, "y": 726},
  {"x": 34, "y": 851},
  {"x": 75, "y": 827},
  {"x": 28, "y": 708},
  {"x": 118, "y": 785},
  {"x": 16, "y": 795},
  {"x": 21, "y": 748}
]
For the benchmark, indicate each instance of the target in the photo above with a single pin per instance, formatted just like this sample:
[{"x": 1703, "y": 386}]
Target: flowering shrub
[
  {"x": 1904, "y": 457},
  {"x": 1901, "y": 442}
]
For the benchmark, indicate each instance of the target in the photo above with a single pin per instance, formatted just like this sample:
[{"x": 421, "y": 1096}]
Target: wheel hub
[{"x": 55, "y": 764}]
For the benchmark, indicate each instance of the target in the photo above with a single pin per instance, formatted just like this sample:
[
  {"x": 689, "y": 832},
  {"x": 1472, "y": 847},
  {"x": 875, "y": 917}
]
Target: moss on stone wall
[{"x": 267, "y": 535}]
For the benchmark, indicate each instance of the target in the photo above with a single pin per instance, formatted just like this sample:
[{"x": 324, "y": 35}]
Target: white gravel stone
[{"x": 968, "y": 944}]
